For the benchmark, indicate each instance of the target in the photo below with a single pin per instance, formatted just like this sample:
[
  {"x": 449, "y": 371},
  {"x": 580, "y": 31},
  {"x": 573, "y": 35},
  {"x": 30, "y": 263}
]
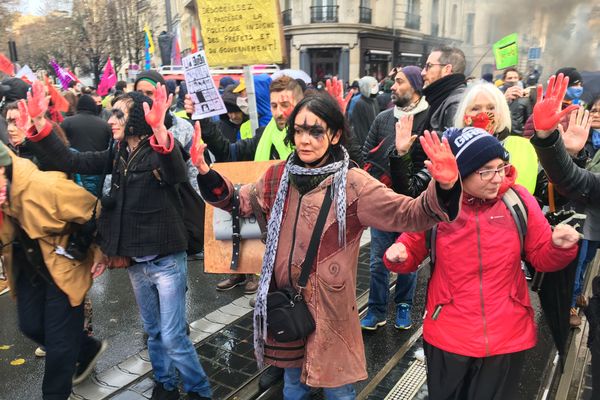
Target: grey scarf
[{"x": 339, "y": 170}]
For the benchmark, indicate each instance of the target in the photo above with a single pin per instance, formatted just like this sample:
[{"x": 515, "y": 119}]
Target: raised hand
[
  {"x": 396, "y": 253},
  {"x": 404, "y": 136},
  {"x": 155, "y": 117},
  {"x": 577, "y": 132},
  {"x": 197, "y": 150},
  {"x": 442, "y": 163},
  {"x": 335, "y": 88},
  {"x": 24, "y": 121},
  {"x": 546, "y": 112},
  {"x": 37, "y": 101},
  {"x": 565, "y": 236},
  {"x": 188, "y": 104}
]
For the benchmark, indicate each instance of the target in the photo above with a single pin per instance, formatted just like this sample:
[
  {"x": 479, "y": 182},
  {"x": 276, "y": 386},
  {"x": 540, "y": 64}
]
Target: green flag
[{"x": 506, "y": 51}]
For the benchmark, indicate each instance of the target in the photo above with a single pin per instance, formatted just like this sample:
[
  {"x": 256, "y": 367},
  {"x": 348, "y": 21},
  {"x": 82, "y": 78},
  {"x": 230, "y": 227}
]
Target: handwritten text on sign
[{"x": 241, "y": 32}]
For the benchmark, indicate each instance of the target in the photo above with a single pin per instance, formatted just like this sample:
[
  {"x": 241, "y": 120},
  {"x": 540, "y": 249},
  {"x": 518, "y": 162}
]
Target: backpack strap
[
  {"x": 518, "y": 210},
  {"x": 430, "y": 237}
]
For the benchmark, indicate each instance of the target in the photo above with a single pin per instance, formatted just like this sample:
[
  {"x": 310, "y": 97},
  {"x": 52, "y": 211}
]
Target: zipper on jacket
[
  {"x": 130, "y": 159},
  {"x": 485, "y": 336},
  {"x": 293, "y": 241}
]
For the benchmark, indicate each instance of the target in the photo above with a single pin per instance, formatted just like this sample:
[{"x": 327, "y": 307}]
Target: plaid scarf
[{"x": 339, "y": 170}]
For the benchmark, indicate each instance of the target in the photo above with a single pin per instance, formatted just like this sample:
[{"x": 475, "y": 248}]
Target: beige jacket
[
  {"x": 45, "y": 204},
  {"x": 334, "y": 355}
]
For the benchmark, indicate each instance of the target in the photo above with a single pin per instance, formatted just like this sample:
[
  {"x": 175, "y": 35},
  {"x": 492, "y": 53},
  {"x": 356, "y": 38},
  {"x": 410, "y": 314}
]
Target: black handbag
[{"x": 288, "y": 316}]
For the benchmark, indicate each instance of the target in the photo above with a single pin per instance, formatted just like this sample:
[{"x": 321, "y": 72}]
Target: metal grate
[{"x": 409, "y": 384}]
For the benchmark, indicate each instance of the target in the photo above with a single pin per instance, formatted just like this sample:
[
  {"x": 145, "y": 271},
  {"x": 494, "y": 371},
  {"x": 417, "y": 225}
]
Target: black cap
[
  {"x": 87, "y": 103},
  {"x": 13, "y": 89},
  {"x": 572, "y": 73},
  {"x": 150, "y": 75}
]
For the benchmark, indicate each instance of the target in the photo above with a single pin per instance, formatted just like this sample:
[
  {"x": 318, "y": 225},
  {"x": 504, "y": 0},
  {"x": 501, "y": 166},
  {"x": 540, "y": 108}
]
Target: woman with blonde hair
[{"x": 484, "y": 106}]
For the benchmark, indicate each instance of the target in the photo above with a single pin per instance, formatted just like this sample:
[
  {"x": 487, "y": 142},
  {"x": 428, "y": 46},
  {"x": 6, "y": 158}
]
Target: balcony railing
[
  {"x": 287, "y": 17},
  {"x": 322, "y": 14},
  {"x": 435, "y": 29},
  {"x": 413, "y": 21},
  {"x": 365, "y": 15}
]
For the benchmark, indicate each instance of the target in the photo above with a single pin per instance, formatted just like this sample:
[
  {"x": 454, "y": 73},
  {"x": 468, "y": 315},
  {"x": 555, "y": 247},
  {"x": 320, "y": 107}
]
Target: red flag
[
  {"x": 194, "y": 41},
  {"x": 60, "y": 103},
  {"x": 108, "y": 80},
  {"x": 6, "y": 65},
  {"x": 176, "y": 56}
]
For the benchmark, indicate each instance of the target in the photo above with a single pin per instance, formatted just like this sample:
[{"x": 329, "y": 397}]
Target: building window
[
  {"x": 435, "y": 18},
  {"x": 454, "y": 22},
  {"x": 470, "y": 27},
  {"x": 365, "y": 12},
  {"x": 413, "y": 14},
  {"x": 287, "y": 16},
  {"x": 324, "y": 11}
]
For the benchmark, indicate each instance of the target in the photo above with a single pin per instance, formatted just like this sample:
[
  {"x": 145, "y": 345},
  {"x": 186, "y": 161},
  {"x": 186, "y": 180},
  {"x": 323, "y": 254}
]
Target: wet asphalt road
[{"x": 115, "y": 318}]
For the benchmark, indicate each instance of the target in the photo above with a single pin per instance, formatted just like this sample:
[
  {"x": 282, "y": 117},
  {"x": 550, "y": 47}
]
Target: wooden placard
[{"x": 217, "y": 253}]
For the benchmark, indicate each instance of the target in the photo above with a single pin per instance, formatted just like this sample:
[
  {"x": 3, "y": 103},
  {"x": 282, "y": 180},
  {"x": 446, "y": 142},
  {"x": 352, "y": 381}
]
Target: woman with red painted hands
[
  {"x": 478, "y": 320},
  {"x": 141, "y": 226},
  {"x": 292, "y": 193}
]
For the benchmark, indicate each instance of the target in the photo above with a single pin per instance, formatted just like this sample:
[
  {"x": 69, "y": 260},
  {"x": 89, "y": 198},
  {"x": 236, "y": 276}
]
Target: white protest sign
[{"x": 201, "y": 87}]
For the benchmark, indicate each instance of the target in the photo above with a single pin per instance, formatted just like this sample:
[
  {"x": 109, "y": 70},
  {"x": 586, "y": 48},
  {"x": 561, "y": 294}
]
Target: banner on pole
[
  {"x": 201, "y": 87},
  {"x": 506, "y": 51},
  {"x": 236, "y": 32}
]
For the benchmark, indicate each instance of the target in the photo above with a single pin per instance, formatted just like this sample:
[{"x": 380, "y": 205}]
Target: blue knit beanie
[{"x": 473, "y": 147}]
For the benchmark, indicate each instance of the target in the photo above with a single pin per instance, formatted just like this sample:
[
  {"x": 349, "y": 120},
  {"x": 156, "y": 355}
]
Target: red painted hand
[
  {"x": 197, "y": 150},
  {"x": 546, "y": 112},
  {"x": 37, "y": 102},
  {"x": 23, "y": 122},
  {"x": 441, "y": 163},
  {"x": 155, "y": 117},
  {"x": 335, "y": 88}
]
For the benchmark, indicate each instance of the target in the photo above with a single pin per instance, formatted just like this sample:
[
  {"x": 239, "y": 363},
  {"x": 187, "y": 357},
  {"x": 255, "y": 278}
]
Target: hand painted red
[
  {"x": 335, "y": 88},
  {"x": 37, "y": 102},
  {"x": 24, "y": 121},
  {"x": 546, "y": 112},
  {"x": 155, "y": 117},
  {"x": 442, "y": 163},
  {"x": 197, "y": 150}
]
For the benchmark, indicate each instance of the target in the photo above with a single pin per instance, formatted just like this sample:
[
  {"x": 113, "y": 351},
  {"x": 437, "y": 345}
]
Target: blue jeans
[
  {"x": 293, "y": 389},
  {"x": 380, "y": 276},
  {"x": 159, "y": 288},
  {"x": 587, "y": 252}
]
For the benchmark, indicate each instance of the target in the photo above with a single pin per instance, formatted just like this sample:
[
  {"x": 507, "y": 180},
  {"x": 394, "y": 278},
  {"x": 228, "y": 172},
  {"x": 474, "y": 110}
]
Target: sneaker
[
  {"x": 85, "y": 368},
  {"x": 370, "y": 322},
  {"x": 574, "y": 318},
  {"x": 403, "y": 320},
  {"x": 231, "y": 282},
  {"x": 270, "y": 377},
  {"x": 40, "y": 352},
  {"x": 581, "y": 301},
  {"x": 160, "y": 393},
  {"x": 196, "y": 396},
  {"x": 251, "y": 284}
]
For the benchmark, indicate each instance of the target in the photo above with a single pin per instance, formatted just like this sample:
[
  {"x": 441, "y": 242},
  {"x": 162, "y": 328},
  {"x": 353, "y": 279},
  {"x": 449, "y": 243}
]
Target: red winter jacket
[{"x": 478, "y": 284}]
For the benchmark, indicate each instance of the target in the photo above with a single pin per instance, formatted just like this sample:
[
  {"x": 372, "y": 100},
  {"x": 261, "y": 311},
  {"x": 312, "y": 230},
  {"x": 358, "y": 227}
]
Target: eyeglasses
[
  {"x": 429, "y": 65},
  {"x": 488, "y": 174}
]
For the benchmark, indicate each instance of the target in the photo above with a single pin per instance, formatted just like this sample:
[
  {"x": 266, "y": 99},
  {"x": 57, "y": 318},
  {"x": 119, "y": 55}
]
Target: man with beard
[
  {"x": 443, "y": 85},
  {"x": 379, "y": 146}
]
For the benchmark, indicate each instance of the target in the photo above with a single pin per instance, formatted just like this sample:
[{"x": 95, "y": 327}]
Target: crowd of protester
[{"x": 435, "y": 164}]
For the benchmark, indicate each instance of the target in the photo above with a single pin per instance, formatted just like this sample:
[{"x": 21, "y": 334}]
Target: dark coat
[
  {"x": 573, "y": 182},
  {"x": 87, "y": 132},
  {"x": 380, "y": 144},
  {"x": 141, "y": 217},
  {"x": 520, "y": 110},
  {"x": 365, "y": 111}
]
